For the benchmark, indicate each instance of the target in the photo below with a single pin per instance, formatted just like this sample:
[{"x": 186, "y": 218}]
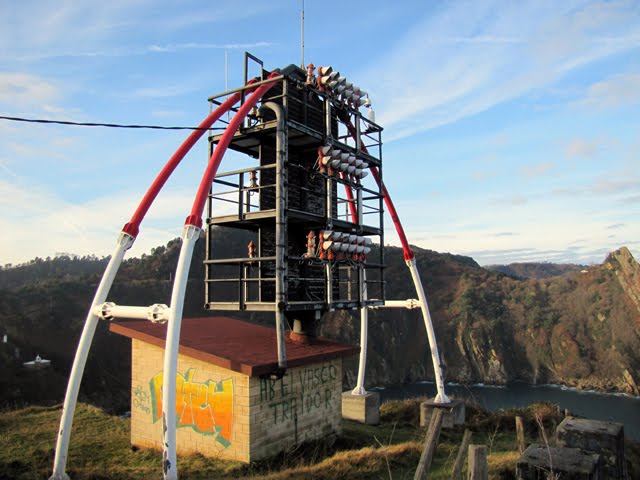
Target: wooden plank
[
  {"x": 430, "y": 444},
  {"x": 456, "y": 473},
  {"x": 478, "y": 466},
  {"x": 520, "y": 434}
]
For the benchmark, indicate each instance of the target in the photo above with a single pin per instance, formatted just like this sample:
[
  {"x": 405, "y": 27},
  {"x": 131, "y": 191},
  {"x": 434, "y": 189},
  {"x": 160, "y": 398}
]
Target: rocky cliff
[{"x": 578, "y": 329}]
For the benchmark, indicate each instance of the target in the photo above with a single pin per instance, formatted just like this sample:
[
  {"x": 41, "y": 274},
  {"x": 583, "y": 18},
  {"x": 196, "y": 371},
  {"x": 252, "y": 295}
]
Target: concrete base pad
[
  {"x": 361, "y": 408},
  {"x": 569, "y": 463},
  {"x": 605, "y": 438},
  {"x": 454, "y": 413}
]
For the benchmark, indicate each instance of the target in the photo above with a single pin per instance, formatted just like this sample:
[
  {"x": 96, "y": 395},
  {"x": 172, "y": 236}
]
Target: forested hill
[
  {"x": 58, "y": 268},
  {"x": 536, "y": 270},
  {"x": 580, "y": 328}
]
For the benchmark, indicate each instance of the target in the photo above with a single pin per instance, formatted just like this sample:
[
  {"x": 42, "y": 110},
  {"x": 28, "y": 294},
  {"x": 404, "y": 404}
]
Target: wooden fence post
[
  {"x": 520, "y": 434},
  {"x": 478, "y": 467},
  {"x": 430, "y": 444},
  {"x": 456, "y": 473}
]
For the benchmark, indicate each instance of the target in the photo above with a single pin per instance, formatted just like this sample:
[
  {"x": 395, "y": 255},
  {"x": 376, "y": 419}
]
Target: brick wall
[
  {"x": 227, "y": 414},
  {"x": 218, "y": 429},
  {"x": 304, "y": 405}
]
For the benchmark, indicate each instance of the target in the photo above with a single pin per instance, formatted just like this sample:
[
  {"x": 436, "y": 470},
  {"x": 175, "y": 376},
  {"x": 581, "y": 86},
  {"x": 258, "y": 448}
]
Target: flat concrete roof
[{"x": 235, "y": 344}]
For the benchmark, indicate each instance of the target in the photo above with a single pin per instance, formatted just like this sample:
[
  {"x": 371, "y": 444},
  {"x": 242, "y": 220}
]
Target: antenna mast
[
  {"x": 226, "y": 76},
  {"x": 302, "y": 34}
]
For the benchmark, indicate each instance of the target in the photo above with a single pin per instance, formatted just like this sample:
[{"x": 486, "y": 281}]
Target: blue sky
[{"x": 512, "y": 129}]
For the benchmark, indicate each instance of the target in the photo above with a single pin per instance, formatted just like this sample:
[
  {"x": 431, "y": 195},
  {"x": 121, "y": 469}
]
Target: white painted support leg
[
  {"x": 441, "y": 397},
  {"x": 364, "y": 335},
  {"x": 64, "y": 433},
  {"x": 169, "y": 466}
]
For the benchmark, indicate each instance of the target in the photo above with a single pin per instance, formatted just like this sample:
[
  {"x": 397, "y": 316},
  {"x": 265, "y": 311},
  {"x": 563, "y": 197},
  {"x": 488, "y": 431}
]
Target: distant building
[
  {"x": 38, "y": 363},
  {"x": 227, "y": 404}
]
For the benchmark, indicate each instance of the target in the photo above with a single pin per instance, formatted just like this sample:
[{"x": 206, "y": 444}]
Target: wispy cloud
[
  {"x": 181, "y": 18},
  {"x": 482, "y": 39},
  {"x": 631, "y": 200},
  {"x": 106, "y": 29},
  {"x": 63, "y": 25},
  {"x": 532, "y": 254},
  {"x": 26, "y": 90},
  {"x": 607, "y": 186},
  {"x": 581, "y": 148},
  {"x": 176, "y": 47},
  {"x": 537, "y": 169},
  {"x": 616, "y": 226},
  {"x": 513, "y": 200},
  {"x": 72, "y": 226},
  {"x": 621, "y": 89},
  {"x": 24, "y": 150},
  {"x": 132, "y": 50},
  {"x": 481, "y": 175},
  {"x": 603, "y": 186},
  {"x": 430, "y": 87},
  {"x": 168, "y": 113},
  {"x": 8, "y": 171},
  {"x": 163, "y": 91}
]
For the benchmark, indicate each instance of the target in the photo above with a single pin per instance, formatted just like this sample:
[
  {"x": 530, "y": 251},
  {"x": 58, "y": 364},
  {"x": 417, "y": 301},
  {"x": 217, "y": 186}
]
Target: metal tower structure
[
  {"x": 310, "y": 212},
  {"x": 309, "y": 207}
]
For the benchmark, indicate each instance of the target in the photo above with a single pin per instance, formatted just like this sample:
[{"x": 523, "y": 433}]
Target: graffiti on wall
[
  {"x": 207, "y": 407},
  {"x": 140, "y": 399},
  {"x": 302, "y": 392}
]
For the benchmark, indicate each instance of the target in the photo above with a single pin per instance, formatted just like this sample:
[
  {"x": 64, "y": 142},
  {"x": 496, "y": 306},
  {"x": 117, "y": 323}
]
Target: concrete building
[{"x": 228, "y": 403}]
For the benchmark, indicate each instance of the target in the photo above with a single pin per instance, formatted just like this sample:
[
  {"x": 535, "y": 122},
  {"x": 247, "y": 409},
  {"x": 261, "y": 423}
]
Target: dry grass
[
  {"x": 502, "y": 462},
  {"x": 404, "y": 411},
  {"x": 364, "y": 463},
  {"x": 100, "y": 448}
]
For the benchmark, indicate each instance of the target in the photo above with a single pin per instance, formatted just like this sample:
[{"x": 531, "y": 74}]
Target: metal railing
[{"x": 243, "y": 188}]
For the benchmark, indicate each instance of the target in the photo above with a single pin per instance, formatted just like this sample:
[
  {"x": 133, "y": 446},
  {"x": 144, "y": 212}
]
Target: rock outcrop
[
  {"x": 627, "y": 271},
  {"x": 579, "y": 329}
]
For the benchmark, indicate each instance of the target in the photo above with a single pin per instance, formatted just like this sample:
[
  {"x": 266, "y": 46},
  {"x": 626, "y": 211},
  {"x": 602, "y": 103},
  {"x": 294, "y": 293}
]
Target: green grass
[{"x": 100, "y": 448}]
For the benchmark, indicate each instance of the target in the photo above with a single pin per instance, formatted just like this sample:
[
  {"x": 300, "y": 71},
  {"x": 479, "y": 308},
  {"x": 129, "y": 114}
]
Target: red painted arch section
[
  {"x": 133, "y": 226},
  {"x": 195, "y": 217},
  {"x": 391, "y": 208}
]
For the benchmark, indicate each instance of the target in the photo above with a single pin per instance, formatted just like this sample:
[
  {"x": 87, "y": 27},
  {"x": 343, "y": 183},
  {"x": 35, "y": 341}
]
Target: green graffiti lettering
[
  {"x": 274, "y": 407},
  {"x": 302, "y": 381},
  {"x": 300, "y": 393},
  {"x": 272, "y": 390},
  {"x": 284, "y": 387},
  {"x": 263, "y": 389}
]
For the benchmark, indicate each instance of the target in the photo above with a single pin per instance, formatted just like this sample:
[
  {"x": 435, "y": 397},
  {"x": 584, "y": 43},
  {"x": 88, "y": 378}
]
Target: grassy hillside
[
  {"x": 580, "y": 329},
  {"x": 100, "y": 447}
]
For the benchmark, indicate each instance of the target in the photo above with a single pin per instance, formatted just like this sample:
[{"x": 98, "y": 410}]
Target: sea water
[{"x": 589, "y": 404}]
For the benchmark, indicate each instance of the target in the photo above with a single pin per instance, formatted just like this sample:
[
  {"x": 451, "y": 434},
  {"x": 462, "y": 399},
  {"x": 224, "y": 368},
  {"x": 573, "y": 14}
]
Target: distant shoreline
[{"x": 558, "y": 386}]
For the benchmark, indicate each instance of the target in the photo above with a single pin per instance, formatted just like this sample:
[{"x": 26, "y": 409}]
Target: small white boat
[{"x": 39, "y": 362}]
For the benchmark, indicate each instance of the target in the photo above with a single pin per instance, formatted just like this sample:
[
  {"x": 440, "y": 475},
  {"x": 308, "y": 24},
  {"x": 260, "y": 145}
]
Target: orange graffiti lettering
[{"x": 206, "y": 407}]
